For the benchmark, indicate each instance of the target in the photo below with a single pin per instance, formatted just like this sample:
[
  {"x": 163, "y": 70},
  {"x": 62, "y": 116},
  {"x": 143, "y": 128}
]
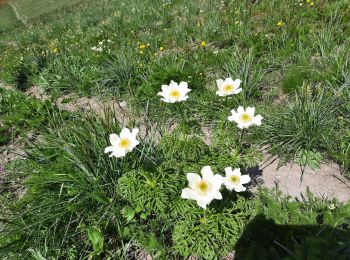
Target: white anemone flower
[
  {"x": 203, "y": 189},
  {"x": 97, "y": 49},
  {"x": 245, "y": 118},
  {"x": 174, "y": 92},
  {"x": 228, "y": 87},
  {"x": 234, "y": 180},
  {"x": 123, "y": 143}
]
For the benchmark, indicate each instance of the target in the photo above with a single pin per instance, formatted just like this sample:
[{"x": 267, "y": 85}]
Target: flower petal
[
  {"x": 239, "y": 188},
  {"x": 165, "y": 88},
  {"x": 240, "y": 110},
  {"x": 183, "y": 85},
  {"x": 237, "y": 172},
  {"x": 109, "y": 149},
  {"x": 228, "y": 170},
  {"x": 217, "y": 181},
  {"x": 188, "y": 193},
  {"x": 237, "y": 82},
  {"x": 173, "y": 84},
  {"x": 218, "y": 196},
  {"x": 192, "y": 179},
  {"x": 257, "y": 120},
  {"x": 125, "y": 132},
  {"x": 241, "y": 126},
  {"x": 228, "y": 184},
  {"x": 250, "y": 111},
  {"x": 219, "y": 83},
  {"x": 135, "y": 131},
  {"x": 202, "y": 204},
  {"x": 245, "y": 179},
  {"x": 237, "y": 91},
  {"x": 207, "y": 173},
  {"x": 114, "y": 139}
]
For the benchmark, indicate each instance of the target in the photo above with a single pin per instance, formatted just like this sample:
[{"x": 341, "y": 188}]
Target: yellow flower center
[
  {"x": 124, "y": 143},
  {"x": 203, "y": 187},
  {"x": 246, "y": 118},
  {"x": 174, "y": 93},
  {"x": 228, "y": 88},
  {"x": 234, "y": 179}
]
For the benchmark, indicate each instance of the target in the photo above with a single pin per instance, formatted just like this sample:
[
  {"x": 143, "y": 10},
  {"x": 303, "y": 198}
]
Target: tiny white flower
[
  {"x": 203, "y": 189},
  {"x": 228, "y": 87},
  {"x": 234, "y": 180},
  {"x": 174, "y": 92},
  {"x": 245, "y": 118},
  {"x": 123, "y": 143},
  {"x": 99, "y": 49}
]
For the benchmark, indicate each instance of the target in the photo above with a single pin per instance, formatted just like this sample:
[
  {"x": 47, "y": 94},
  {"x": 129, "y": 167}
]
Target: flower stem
[
  {"x": 241, "y": 140},
  {"x": 183, "y": 120}
]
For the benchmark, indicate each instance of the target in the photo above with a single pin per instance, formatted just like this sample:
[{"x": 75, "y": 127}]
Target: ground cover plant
[{"x": 210, "y": 88}]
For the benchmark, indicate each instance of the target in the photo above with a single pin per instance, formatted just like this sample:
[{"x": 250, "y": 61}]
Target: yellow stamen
[
  {"x": 246, "y": 118},
  {"x": 203, "y": 187},
  {"x": 234, "y": 179},
  {"x": 124, "y": 143},
  {"x": 228, "y": 88},
  {"x": 174, "y": 93}
]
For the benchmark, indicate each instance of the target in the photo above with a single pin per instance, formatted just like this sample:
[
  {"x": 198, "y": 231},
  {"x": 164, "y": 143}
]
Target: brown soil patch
[{"x": 327, "y": 182}]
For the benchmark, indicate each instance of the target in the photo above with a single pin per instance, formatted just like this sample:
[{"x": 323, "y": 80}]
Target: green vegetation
[
  {"x": 28, "y": 10},
  {"x": 19, "y": 114},
  {"x": 293, "y": 60},
  {"x": 7, "y": 16}
]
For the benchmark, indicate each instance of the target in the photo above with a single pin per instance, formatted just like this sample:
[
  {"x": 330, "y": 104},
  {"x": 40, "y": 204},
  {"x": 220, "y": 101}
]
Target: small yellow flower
[
  {"x": 203, "y": 44},
  {"x": 280, "y": 24},
  {"x": 55, "y": 50},
  {"x": 141, "y": 52},
  {"x": 312, "y": 4},
  {"x": 308, "y": 1},
  {"x": 142, "y": 46},
  {"x": 148, "y": 45},
  {"x": 161, "y": 48}
]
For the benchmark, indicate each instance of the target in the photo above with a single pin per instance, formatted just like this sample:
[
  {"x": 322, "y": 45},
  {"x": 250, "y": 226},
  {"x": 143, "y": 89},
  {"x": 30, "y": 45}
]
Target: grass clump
[
  {"x": 305, "y": 124},
  {"x": 19, "y": 114}
]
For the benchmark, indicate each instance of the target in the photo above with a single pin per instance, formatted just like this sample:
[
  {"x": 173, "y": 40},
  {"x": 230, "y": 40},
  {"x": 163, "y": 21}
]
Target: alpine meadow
[{"x": 175, "y": 129}]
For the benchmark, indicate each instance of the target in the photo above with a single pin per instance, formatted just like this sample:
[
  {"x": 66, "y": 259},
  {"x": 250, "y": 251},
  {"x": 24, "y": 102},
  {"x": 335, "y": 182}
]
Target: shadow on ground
[{"x": 264, "y": 239}]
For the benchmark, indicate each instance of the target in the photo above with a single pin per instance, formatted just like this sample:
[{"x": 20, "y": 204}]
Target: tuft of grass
[{"x": 306, "y": 123}]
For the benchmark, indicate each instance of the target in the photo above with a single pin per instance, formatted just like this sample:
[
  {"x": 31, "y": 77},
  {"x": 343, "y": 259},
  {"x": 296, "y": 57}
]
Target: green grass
[
  {"x": 7, "y": 16},
  {"x": 80, "y": 203},
  {"x": 28, "y": 10}
]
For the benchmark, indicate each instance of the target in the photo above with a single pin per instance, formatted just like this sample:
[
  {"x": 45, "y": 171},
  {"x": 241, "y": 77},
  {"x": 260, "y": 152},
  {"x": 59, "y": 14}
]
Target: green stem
[
  {"x": 183, "y": 120},
  {"x": 241, "y": 140}
]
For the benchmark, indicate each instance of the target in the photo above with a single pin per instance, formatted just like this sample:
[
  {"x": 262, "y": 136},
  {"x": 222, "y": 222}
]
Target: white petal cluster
[
  {"x": 97, "y": 48},
  {"x": 234, "y": 180},
  {"x": 174, "y": 92},
  {"x": 245, "y": 118},
  {"x": 203, "y": 189},
  {"x": 228, "y": 87},
  {"x": 122, "y": 144}
]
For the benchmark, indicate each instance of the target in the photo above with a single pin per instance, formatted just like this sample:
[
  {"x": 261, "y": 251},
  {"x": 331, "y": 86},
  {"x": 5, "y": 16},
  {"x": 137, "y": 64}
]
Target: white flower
[
  {"x": 174, "y": 92},
  {"x": 245, "y": 118},
  {"x": 234, "y": 179},
  {"x": 228, "y": 87},
  {"x": 123, "y": 143},
  {"x": 99, "y": 49},
  {"x": 204, "y": 189}
]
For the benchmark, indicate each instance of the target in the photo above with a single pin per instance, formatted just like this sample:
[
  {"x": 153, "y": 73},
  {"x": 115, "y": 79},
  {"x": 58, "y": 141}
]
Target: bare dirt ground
[{"x": 327, "y": 182}]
